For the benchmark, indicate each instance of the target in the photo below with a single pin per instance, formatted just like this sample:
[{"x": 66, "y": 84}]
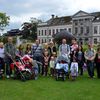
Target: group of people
[{"x": 48, "y": 54}]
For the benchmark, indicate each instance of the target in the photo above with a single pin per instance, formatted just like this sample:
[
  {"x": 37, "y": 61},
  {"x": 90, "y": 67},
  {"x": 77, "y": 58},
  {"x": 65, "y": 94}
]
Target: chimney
[
  {"x": 56, "y": 16},
  {"x": 53, "y": 16}
]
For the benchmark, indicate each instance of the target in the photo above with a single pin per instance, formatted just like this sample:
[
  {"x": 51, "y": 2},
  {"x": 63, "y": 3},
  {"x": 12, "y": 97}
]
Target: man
[
  {"x": 90, "y": 56},
  {"x": 64, "y": 49},
  {"x": 37, "y": 52},
  {"x": 9, "y": 50}
]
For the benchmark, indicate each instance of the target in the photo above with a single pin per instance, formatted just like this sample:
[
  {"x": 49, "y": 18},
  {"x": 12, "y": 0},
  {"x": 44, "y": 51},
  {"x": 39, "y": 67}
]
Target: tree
[
  {"x": 29, "y": 29},
  {"x": 4, "y": 20}
]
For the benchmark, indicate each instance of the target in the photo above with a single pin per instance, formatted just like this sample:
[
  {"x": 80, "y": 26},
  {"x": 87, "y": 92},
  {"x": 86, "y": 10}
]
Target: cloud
[{"x": 21, "y": 10}]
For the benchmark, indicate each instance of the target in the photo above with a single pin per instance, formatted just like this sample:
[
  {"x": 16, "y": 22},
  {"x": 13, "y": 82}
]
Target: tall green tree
[
  {"x": 4, "y": 20},
  {"x": 29, "y": 29}
]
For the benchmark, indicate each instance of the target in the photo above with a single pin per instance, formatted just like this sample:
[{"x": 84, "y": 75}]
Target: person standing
[
  {"x": 52, "y": 48},
  {"x": 20, "y": 50},
  {"x": 10, "y": 52},
  {"x": 80, "y": 58},
  {"x": 90, "y": 56},
  {"x": 28, "y": 50},
  {"x": 64, "y": 50},
  {"x": 97, "y": 61},
  {"x": 2, "y": 63},
  {"x": 37, "y": 52}
]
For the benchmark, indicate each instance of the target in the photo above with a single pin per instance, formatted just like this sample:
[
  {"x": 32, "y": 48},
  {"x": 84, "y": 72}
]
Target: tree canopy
[
  {"x": 29, "y": 29},
  {"x": 4, "y": 20}
]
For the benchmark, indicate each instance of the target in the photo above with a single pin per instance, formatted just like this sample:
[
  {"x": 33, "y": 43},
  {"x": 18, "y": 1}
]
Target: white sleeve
[
  {"x": 71, "y": 66},
  {"x": 77, "y": 66}
]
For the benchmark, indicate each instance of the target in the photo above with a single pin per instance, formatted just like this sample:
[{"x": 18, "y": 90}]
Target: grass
[{"x": 46, "y": 88}]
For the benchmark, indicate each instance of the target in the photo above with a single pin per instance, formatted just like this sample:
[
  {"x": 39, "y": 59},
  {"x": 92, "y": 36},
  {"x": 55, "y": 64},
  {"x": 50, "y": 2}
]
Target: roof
[
  {"x": 60, "y": 20},
  {"x": 66, "y": 20},
  {"x": 96, "y": 16}
]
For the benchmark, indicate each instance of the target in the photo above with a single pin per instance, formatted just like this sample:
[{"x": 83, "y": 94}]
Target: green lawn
[{"x": 46, "y": 88}]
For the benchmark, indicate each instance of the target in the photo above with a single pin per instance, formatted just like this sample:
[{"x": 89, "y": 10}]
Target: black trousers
[
  {"x": 2, "y": 64},
  {"x": 80, "y": 64},
  {"x": 98, "y": 69}
]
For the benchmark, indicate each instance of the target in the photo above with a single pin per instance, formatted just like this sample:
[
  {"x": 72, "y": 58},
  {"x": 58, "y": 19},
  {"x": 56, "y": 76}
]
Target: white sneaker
[
  {"x": 8, "y": 76},
  {"x": 12, "y": 75}
]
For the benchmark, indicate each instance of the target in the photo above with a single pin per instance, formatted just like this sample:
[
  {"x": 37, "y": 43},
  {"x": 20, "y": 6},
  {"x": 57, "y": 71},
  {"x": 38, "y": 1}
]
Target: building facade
[{"x": 84, "y": 26}]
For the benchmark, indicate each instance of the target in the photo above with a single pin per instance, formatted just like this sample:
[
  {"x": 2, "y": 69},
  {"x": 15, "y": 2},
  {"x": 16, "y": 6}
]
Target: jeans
[
  {"x": 90, "y": 67},
  {"x": 40, "y": 59},
  {"x": 8, "y": 68}
]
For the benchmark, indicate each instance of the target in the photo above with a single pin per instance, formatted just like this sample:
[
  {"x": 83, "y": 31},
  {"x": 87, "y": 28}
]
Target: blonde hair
[{"x": 1, "y": 44}]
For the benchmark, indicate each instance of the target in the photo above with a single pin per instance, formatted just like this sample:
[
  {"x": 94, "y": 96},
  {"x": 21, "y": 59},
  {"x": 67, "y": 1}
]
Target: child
[
  {"x": 73, "y": 69},
  {"x": 52, "y": 65},
  {"x": 32, "y": 65},
  {"x": 46, "y": 59}
]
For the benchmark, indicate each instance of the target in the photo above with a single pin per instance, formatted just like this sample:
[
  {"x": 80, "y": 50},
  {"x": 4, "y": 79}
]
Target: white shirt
[
  {"x": 52, "y": 64},
  {"x": 2, "y": 52}
]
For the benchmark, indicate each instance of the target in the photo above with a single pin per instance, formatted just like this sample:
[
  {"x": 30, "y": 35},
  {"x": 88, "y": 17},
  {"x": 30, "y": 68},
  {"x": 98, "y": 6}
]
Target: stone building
[{"x": 84, "y": 26}]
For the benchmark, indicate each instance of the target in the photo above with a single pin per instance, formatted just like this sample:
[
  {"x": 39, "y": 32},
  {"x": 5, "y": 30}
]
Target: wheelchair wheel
[{"x": 28, "y": 75}]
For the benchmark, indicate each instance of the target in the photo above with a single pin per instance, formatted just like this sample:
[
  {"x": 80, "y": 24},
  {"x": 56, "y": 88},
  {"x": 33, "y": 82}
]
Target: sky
[{"x": 22, "y": 10}]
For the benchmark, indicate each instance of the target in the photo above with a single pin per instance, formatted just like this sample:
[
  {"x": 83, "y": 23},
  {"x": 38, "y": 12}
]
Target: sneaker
[
  {"x": 8, "y": 76},
  {"x": 12, "y": 75},
  {"x": 36, "y": 78}
]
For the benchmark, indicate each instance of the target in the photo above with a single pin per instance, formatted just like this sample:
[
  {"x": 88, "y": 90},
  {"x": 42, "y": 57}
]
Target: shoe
[
  {"x": 12, "y": 75},
  {"x": 36, "y": 78},
  {"x": 8, "y": 76}
]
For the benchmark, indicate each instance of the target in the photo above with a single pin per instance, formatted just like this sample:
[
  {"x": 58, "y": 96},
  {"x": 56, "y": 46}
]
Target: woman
[
  {"x": 2, "y": 64},
  {"x": 28, "y": 50},
  {"x": 52, "y": 48},
  {"x": 20, "y": 51},
  {"x": 97, "y": 61},
  {"x": 80, "y": 58}
]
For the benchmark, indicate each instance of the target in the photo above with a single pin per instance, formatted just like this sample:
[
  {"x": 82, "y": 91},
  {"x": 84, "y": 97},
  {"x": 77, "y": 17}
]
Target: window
[
  {"x": 56, "y": 30},
  {"x": 65, "y": 29},
  {"x": 95, "y": 29},
  {"x": 39, "y": 40},
  {"x": 45, "y": 40},
  {"x": 87, "y": 29},
  {"x": 76, "y": 30},
  {"x": 49, "y": 40},
  {"x": 42, "y": 32},
  {"x": 42, "y": 40},
  {"x": 81, "y": 30},
  {"x": 95, "y": 40},
  {"x": 53, "y": 31},
  {"x": 69, "y": 30},
  {"x": 39, "y": 33},
  {"x": 61, "y": 30},
  {"x": 45, "y": 32},
  {"x": 49, "y": 32},
  {"x": 76, "y": 22}
]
